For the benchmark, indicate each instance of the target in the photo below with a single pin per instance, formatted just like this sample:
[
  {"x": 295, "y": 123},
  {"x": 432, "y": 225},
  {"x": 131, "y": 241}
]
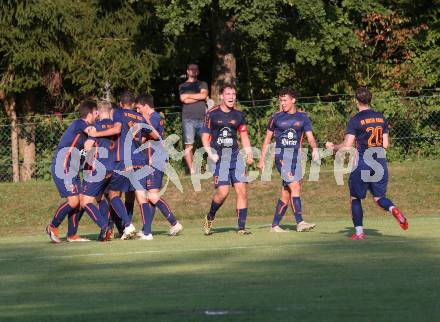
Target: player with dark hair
[
  {"x": 219, "y": 137},
  {"x": 288, "y": 126},
  {"x": 368, "y": 129},
  {"x": 156, "y": 160},
  {"x": 67, "y": 160}
]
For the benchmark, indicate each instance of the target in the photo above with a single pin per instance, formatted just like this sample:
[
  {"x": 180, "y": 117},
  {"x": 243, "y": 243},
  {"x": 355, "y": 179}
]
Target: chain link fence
[{"x": 415, "y": 130}]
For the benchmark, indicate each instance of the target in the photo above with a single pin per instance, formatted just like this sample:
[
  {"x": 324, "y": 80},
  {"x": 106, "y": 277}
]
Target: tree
[{"x": 35, "y": 40}]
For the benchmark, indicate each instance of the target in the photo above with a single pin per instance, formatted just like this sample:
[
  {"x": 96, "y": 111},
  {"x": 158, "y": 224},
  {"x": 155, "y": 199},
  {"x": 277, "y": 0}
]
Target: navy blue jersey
[
  {"x": 107, "y": 142},
  {"x": 157, "y": 122},
  {"x": 223, "y": 128},
  {"x": 157, "y": 155},
  {"x": 73, "y": 137},
  {"x": 368, "y": 127},
  {"x": 289, "y": 129},
  {"x": 130, "y": 120}
]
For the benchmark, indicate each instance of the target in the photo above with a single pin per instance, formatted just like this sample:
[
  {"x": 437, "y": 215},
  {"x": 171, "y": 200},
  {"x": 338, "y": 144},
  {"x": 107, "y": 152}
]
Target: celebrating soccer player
[
  {"x": 65, "y": 170},
  {"x": 156, "y": 160},
  {"x": 102, "y": 154},
  {"x": 219, "y": 138},
  {"x": 369, "y": 130},
  {"x": 289, "y": 126},
  {"x": 130, "y": 166}
]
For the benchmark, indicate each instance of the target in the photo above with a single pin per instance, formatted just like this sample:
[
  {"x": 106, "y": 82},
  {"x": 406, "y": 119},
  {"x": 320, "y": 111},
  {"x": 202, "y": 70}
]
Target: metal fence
[{"x": 415, "y": 129}]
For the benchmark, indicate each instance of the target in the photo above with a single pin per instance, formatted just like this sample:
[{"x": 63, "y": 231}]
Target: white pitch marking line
[{"x": 204, "y": 249}]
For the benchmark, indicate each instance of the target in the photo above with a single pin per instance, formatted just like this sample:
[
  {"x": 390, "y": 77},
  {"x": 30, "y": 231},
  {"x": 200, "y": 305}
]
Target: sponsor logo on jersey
[
  {"x": 225, "y": 137},
  {"x": 289, "y": 138}
]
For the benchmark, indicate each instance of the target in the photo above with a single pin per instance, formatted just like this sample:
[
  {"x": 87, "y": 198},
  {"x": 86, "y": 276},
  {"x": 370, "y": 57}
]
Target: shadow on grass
[
  {"x": 223, "y": 230},
  {"x": 348, "y": 231},
  {"x": 331, "y": 281}
]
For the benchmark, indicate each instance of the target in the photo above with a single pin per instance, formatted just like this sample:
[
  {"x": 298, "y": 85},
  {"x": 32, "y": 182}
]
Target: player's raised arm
[{"x": 115, "y": 130}]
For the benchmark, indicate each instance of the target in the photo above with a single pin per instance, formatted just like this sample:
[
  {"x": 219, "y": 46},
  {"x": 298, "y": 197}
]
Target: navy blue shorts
[
  {"x": 94, "y": 189},
  {"x": 121, "y": 182},
  {"x": 154, "y": 180},
  {"x": 229, "y": 174},
  {"x": 289, "y": 172},
  {"x": 358, "y": 187},
  {"x": 72, "y": 188}
]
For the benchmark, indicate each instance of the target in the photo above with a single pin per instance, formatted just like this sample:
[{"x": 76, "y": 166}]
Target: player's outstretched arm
[
  {"x": 267, "y": 140},
  {"x": 115, "y": 130},
  {"x": 313, "y": 145},
  {"x": 346, "y": 144}
]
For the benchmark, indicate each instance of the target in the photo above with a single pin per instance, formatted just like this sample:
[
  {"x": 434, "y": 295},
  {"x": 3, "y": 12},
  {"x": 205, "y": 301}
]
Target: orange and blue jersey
[
  {"x": 107, "y": 142},
  {"x": 156, "y": 154},
  {"x": 289, "y": 129},
  {"x": 368, "y": 127},
  {"x": 73, "y": 137},
  {"x": 223, "y": 128},
  {"x": 157, "y": 122},
  {"x": 131, "y": 122}
]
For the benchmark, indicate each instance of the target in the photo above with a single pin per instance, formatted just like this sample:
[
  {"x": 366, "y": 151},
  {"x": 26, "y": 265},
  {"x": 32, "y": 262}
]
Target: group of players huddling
[{"x": 124, "y": 154}]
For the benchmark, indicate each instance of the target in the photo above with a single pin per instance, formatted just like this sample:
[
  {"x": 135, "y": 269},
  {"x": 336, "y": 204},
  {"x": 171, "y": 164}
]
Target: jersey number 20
[{"x": 376, "y": 136}]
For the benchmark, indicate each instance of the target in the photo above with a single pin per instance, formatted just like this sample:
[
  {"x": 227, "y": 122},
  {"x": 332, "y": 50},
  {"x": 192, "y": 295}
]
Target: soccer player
[
  {"x": 131, "y": 127},
  {"x": 156, "y": 160},
  {"x": 368, "y": 129},
  {"x": 288, "y": 126},
  {"x": 73, "y": 138},
  {"x": 92, "y": 190},
  {"x": 219, "y": 138}
]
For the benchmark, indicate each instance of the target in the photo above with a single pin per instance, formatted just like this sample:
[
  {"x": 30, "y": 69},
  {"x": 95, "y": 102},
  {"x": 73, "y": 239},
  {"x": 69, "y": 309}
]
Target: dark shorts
[
  {"x": 154, "y": 180},
  {"x": 94, "y": 189},
  {"x": 226, "y": 174},
  {"x": 290, "y": 170},
  {"x": 120, "y": 181},
  {"x": 359, "y": 187},
  {"x": 70, "y": 189}
]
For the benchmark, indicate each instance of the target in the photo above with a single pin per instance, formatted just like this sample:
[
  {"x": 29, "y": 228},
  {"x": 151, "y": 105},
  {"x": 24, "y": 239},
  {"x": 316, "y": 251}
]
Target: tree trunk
[
  {"x": 10, "y": 105},
  {"x": 27, "y": 139},
  {"x": 224, "y": 66}
]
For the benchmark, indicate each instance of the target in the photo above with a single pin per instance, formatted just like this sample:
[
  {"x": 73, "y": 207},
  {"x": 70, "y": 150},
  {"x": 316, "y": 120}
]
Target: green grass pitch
[
  {"x": 315, "y": 276},
  {"x": 322, "y": 275}
]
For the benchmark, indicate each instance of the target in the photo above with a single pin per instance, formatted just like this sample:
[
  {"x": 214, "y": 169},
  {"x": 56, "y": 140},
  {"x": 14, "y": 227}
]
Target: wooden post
[{"x": 10, "y": 105}]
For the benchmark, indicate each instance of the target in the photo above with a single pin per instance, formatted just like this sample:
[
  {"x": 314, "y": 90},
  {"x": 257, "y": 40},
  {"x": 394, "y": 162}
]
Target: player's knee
[
  {"x": 355, "y": 200},
  {"x": 221, "y": 194},
  {"x": 241, "y": 193}
]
